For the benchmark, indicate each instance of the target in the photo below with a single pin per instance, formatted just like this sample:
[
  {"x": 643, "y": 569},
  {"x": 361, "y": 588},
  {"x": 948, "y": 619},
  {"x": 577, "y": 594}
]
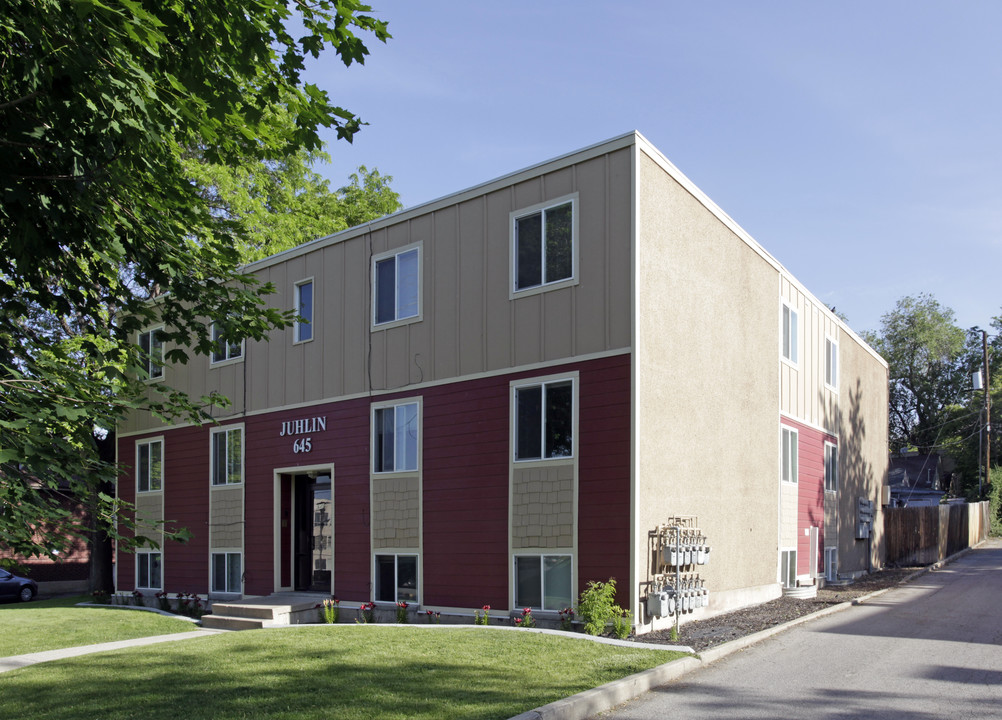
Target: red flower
[
  {"x": 487, "y": 607},
  {"x": 526, "y": 611}
]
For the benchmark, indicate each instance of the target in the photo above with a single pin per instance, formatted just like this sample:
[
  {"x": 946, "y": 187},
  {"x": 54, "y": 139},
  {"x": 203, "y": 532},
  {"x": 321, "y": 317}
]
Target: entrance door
[{"x": 313, "y": 534}]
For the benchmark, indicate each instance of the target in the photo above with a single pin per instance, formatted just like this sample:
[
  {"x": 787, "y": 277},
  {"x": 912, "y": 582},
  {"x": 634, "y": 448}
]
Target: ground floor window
[
  {"x": 543, "y": 581},
  {"x": 788, "y": 568},
  {"x": 226, "y": 572},
  {"x": 831, "y": 564},
  {"x": 148, "y": 573},
  {"x": 396, "y": 578}
]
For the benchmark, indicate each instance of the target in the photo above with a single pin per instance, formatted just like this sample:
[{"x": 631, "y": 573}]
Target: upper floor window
[
  {"x": 149, "y": 466},
  {"x": 226, "y": 456},
  {"x": 544, "y": 420},
  {"x": 790, "y": 448},
  {"x": 790, "y": 333},
  {"x": 831, "y": 363},
  {"x": 396, "y": 279},
  {"x": 304, "y": 309},
  {"x": 831, "y": 467},
  {"x": 227, "y": 350},
  {"x": 543, "y": 246},
  {"x": 152, "y": 347},
  {"x": 395, "y": 438}
]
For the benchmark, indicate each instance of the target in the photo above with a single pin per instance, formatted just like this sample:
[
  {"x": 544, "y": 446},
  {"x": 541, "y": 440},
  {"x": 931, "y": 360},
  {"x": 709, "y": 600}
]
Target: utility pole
[{"x": 988, "y": 410}]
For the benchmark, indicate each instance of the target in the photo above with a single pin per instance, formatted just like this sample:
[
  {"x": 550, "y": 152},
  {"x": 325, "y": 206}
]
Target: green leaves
[{"x": 100, "y": 104}]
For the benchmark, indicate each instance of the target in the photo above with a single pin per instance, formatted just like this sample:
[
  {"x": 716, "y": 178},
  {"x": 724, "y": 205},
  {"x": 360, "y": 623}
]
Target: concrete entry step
[{"x": 271, "y": 611}]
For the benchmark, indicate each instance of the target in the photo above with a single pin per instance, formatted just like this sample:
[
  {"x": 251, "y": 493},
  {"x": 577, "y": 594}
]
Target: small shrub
[
  {"x": 596, "y": 607},
  {"x": 101, "y": 597},
  {"x": 484, "y": 619},
  {"x": 527, "y": 620},
  {"x": 137, "y": 598},
  {"x": 365, "y": 613},
  {"x": 621, "y": 623},
  {"x": 433, "y": 617},
  {"x": 567, "y": 619},
  {"x": 331, "y": 611},
  {"x": 402, "y": 612}
]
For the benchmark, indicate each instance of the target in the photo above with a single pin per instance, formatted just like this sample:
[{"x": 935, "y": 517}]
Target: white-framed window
[
  {"x": 544, "y": 582},
  {"x": 152, "y": 347},
  {"x": 790, "y": 332},
  {"x": 396, "y": 436},
  {"x": 227, "y": 574},
  {"x": 788, "y": 568},
  {"x": 227, "y": 455},
  {"x": 544, "y": 420},
  {"x": 831, "y": 467},
  {"x": 226, "y": 350},
  {"x": 149, "y": 465},
  {"x": 303, "y": 329},
  {"x": 544, "y": 239},
  {"x": 396, "y": 282},
  {"x": 396, "y": 577},
  {"x": 831, "y": 564},
  {"x": 790, "y": 449},
  {"x": 831, "y": 363},
  {"x": 148, "y": 570}
]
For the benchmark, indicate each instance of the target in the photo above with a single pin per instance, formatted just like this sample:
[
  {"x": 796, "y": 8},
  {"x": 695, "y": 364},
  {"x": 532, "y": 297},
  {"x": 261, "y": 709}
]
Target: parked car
[{"x": 14, "y": 586}]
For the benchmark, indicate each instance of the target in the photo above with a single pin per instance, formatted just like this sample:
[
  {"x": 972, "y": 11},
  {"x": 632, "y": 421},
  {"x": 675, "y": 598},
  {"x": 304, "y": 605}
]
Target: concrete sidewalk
[{"x": 18, "y": 661}]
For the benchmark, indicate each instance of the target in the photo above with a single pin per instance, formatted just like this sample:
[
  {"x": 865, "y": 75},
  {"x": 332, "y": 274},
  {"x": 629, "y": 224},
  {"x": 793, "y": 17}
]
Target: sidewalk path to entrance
[{"x": 19, "y": 661}]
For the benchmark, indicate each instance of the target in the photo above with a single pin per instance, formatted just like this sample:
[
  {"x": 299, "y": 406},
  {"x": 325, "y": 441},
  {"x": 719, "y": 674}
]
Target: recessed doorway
[{"x": 313, "y": 537}]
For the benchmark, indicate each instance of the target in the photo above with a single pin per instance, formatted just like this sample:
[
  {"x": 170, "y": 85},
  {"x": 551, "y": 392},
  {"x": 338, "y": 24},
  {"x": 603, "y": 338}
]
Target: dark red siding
[
  {"x": 465, "y": 448},
  {"x": 811, "y": 493}
]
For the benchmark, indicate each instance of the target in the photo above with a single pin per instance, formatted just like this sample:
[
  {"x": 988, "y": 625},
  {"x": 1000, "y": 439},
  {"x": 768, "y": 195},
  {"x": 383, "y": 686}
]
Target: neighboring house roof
[{"x": 916, "y": 471}]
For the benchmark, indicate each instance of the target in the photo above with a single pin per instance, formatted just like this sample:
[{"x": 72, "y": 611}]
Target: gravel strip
[{"x": 703, "y": 634}]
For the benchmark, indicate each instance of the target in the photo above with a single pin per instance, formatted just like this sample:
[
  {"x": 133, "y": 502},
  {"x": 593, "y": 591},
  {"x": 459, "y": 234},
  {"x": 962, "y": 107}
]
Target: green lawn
[
  {"x": 332, "y": 672},
  {"x": 51, "y": 624}
]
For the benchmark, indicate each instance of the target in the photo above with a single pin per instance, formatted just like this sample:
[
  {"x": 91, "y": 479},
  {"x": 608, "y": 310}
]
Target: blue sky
[{"x": 859, "y": 142}]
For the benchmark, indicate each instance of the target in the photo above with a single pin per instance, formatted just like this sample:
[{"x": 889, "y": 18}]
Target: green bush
[
  {"x": 995, "y": 501},
  {"x": 597, "y": 609}
]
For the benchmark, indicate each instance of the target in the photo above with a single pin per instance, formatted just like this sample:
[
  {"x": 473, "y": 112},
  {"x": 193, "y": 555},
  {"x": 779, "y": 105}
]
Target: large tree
[{"x": 104, "y": 229}]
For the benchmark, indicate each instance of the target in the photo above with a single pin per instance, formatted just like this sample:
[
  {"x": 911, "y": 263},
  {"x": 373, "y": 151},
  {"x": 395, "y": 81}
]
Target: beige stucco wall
[
  {"x": 706, "y": 391},
  {"x": 862, "y": 453},
  {"x": 395, "y": 512},
  {"x": 542, "y": 507},
  {"x": 226, "y": 517},
  {"x": 469, "y": 323}
]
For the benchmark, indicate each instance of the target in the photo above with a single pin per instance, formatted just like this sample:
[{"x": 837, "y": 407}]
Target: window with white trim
[
  {"x": 149, "y": 465},
  {"x": 790, "y": 334},
  {"x": 396, "y": 281},
  {"x": 303, "y": 329},
  {"x": 543, "y": 242},
  {"x": 831, "y": 564},
  {"x": 544, "y": 420},
  {"x": 397, "y": 578},
  {"x": 226, "y": 350},
  {"x": 543, "y": 582},
  {"x": 395, "y": 437},
  {"x": 226, "y": 572},
  {"x": 789, "y": 450},
  {"x": 831, "y": 467},
  {"x": 788, "y": 568},
  {"x": 227, "y": 456},
  {"x": 151, "y": 346},
  {"x": 148, "y": 570},
  {"x": 831, "y": 363}
]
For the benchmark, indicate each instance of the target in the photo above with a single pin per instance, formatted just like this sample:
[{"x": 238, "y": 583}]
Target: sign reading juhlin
[{"x": 303, "y": 426}]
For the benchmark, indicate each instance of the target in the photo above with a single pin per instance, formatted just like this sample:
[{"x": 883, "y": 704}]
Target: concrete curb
[{"x": 586, "y": 704}]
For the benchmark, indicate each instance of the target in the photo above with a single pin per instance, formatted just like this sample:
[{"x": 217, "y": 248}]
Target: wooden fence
[{"x": 926, "y": 535}]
